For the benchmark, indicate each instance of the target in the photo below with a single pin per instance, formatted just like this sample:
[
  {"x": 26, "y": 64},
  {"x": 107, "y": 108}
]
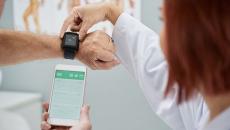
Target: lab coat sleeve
[{"x": 139, "y": 51}]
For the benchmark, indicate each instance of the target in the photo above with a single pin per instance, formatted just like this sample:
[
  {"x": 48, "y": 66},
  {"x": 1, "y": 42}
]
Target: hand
[
  {"x": 84, "y": 123},
  {"x": 97, "y": 51},
  {"x": 82, "y": 18}
]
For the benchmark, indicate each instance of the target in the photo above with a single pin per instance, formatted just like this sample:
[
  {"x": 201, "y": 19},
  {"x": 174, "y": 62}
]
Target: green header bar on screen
[{"x": 75, "y": 75}]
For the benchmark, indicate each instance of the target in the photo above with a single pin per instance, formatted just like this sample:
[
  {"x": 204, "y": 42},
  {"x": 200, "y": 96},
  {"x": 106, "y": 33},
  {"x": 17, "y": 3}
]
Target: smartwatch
[{"x": 70, "y": 44}]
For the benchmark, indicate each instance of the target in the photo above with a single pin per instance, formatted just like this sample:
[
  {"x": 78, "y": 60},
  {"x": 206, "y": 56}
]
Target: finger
[
  {"x": 104, "y": 55},
  {"x": 107, "y": 65},
  {"x": 75, "y": 28},
  {"x": 77, "y": 19},
  {"x": 92, "y": 66},
  {"x": 73, "y": 18},
  {"x": 45, "y": 116},
  {"x": 45, "y": 106},
  {"x": 66, "y": 24},
  {"x": 45, "y": 126},
  {"x": 84, "y": 113},
  {"x": 84, "y": 29}
]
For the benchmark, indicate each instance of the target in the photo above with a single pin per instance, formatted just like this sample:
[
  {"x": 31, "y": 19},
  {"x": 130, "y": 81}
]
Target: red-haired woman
[{"x": 188, "y": 86}]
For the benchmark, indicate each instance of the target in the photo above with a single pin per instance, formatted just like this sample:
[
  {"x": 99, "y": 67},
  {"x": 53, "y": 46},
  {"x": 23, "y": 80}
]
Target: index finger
[{"x": 66, "y": 24}]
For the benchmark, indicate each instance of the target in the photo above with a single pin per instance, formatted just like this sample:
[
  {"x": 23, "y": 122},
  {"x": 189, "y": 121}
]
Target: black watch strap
[
  {"x": 69, "y": 53},
  {"x": 70, "y": 44}
]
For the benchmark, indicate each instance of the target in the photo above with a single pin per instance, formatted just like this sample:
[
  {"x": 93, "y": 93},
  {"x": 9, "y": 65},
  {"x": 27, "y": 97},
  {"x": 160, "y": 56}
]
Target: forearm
[{"x": 17, "y": 47}]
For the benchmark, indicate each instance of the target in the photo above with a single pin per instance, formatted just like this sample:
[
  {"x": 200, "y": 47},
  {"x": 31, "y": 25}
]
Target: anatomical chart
[{"x": 47, "y": 16}]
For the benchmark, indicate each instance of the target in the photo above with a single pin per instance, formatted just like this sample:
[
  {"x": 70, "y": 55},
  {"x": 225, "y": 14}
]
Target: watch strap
[{"x": 69, "y": 53}]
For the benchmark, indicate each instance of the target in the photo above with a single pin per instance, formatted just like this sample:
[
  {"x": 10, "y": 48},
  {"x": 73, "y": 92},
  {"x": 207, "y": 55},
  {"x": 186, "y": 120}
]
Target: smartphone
[{"x": 67, "y": 96}]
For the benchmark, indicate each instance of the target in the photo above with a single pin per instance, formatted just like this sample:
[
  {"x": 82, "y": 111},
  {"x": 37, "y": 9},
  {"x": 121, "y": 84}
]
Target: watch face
[{"x": 70, "y": 40}]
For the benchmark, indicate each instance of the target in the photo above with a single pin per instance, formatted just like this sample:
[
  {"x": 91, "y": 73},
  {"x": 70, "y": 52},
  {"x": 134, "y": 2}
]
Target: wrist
[
  {"x": 112, "y": 12},
  {"x": 55, "y": 46}
]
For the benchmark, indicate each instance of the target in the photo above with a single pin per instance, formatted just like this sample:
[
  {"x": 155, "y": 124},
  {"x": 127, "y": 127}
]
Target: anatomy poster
[{"x": 47, "y": 16}]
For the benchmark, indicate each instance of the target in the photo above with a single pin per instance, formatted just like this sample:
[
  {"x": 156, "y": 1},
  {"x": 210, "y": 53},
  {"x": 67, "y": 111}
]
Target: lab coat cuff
[{"x": 120, "y": 27}]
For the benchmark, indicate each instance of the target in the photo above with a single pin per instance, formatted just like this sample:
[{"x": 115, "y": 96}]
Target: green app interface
[{"x": 67, "y": 96}]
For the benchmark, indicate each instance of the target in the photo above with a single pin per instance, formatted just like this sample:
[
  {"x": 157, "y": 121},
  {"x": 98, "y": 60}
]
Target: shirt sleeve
[{"x": 138, "y": 49}]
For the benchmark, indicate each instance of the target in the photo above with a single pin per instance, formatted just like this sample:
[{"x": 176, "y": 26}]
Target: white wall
[{"x": 117, "y": 103}]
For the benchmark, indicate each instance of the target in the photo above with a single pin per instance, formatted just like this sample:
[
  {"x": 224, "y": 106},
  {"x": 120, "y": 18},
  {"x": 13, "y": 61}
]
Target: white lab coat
[{"x": 139, "y": 51}]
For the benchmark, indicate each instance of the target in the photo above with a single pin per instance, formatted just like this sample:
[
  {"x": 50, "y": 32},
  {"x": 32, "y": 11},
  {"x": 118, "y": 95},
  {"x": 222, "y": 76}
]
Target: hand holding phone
[
  {"x": 67, "y": 95},
  {"x": 84, "y": 122}
]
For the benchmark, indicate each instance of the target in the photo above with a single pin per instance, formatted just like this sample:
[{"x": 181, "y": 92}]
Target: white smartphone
[{"x": 67, "y": 96}]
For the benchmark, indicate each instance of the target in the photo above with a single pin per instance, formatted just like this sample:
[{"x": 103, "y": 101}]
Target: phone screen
[{"x": 67, "y": 95}]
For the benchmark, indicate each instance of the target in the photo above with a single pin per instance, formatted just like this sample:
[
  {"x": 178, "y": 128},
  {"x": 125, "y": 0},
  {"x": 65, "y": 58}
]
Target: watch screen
[{"x": 70, "y": 40}]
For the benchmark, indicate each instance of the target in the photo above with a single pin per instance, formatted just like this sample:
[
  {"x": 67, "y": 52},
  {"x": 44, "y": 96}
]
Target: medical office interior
[{"x": 116, "y": 100}]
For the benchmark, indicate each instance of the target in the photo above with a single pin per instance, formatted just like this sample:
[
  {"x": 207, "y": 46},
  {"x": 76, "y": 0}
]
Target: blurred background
[{"x": 117, "y": 102}]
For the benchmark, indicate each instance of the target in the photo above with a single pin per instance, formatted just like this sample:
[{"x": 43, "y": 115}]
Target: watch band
[
  {"x": 70, "y": 45},
  {"x": 69, "y": 53}
]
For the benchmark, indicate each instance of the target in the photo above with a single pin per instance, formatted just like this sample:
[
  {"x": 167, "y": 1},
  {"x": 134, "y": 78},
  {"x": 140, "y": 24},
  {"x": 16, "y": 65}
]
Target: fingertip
[
  {"x": 116, "y": 60},
  {"x": 63, "y": 29},
  {"x": 45, "y": 126},
  {"x": 61, "y": 35},
  {"x": 63, "y": 32},
  {"x": 115, "y": 63},
  {"x": 86, "y": 107},
  {"x": 45, "y": 106}
]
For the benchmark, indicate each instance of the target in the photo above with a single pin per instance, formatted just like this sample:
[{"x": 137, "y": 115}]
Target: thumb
[
  {"x": 84, "y": 29},
  {"x": 85, "y": 113}
]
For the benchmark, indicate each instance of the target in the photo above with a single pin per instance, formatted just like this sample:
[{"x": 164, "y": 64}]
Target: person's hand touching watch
[
  {"x": 84, "y": 17},
  {"x": 97, "y": 51},
  {"x": 84, "y": 122}
]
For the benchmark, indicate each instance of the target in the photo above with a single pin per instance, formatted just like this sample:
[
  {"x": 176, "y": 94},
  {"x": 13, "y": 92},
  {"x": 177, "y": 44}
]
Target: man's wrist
[
  {"x": 56, "y": 50},
  {"x": 112, "y": 12}
]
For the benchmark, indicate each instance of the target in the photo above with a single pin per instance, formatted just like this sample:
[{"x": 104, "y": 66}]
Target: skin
[
  {"x": 84, "y": 122},
  {"x": 82, "y": 18},
  {"x": 217, "y": 104}
]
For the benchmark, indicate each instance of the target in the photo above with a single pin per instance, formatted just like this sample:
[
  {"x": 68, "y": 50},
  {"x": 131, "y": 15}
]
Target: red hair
[{"x": 198, "y": 46}]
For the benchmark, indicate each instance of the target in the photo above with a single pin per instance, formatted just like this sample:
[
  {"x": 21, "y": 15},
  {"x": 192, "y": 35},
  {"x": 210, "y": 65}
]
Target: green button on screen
[{"x": 75, "y": 75}]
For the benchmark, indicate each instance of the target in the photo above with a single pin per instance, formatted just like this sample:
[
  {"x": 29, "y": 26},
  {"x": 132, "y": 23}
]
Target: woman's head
[{"x": 196, "y": 42}]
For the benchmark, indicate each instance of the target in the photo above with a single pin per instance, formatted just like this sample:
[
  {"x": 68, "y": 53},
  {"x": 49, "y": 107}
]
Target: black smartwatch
[{"x": 70, "y": 44}]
